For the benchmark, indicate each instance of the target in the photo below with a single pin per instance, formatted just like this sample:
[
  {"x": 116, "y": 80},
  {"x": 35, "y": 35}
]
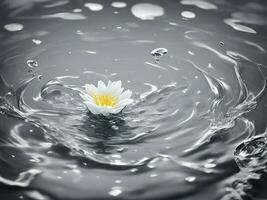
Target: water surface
[{"x": 196, "y": 129}]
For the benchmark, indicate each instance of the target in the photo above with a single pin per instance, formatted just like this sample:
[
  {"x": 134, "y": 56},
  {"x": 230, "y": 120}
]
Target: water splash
[
  {"x": 24, "y": 179},
  {"x": 158, "y": 53},
  {"x": 32, "y": 63}
]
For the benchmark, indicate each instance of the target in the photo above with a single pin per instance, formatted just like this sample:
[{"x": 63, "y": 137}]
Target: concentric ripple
[{"x": 193, "y": 126}]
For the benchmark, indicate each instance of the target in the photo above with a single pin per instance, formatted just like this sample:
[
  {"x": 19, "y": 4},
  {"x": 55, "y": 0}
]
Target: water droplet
[
  {"x": 118, "y": 4},
  {"x": 93, "y": 6},
  {"x": 158, "y": 53},
  {"x": 121, "y": 149},
  {"x": 190, "y": 179},
  {"x": 147, "y": 11},
  {"x": 115, "y": 191},
  {"x": 188, "y": 14},
  {"x": 191, "y": 53},
  {"x": 115, "y": 127},
  {"x": 210, "y": 165},
  {"x": 91, "y": 52},
  {"x": 77, "y": 10},
  {"x": 32, "y": 63},
  {"x": 153, "y": 175},
  {"x": 79, "y": 32},
  {"x": 134, "y": 170},
  {"x": 116, "y": 156},
  {"x": 40, "y": 77},
  {"x": 13, "y": 27},
  {"x": 221, "y": 43},
  {"x": 36, "y": 41}
]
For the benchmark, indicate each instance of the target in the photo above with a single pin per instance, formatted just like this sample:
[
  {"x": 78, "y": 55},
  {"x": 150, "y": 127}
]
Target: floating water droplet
[
  {"x": 158, "y": 53},
  {"x": 115, "y": 191},
  {"x": 115, "y": 127},
  {"x": 210, "y": 165},
  {"x": 190, "y": 178},
  {"x": 134, "y": 170},
  {"x": 32, "y": 63},
  {"x": 121, "y": 149},
  {"x": 13, "y": 27},
  {"x": 77, "y": 10},
  {"x": 153, "y": 175},
  {"x": 93, "y": 6},
  {"x": 36, "y": 41},
  {"x": 79, "y": 32},
  {"x": 188, "y": 14},
  {"x": 147, "y": 11},
  {"x": 191, "y": 53},
  {"x": 118, "y": 4}
]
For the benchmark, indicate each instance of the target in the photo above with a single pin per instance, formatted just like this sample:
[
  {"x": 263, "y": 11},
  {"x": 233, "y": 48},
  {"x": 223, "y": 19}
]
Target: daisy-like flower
[{"x": 106, "y": 99}]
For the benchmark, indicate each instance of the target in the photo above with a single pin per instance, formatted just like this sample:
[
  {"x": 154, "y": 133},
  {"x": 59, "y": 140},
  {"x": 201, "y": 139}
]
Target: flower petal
[
  {"x": 118, "y": 85},
  {"x": 92, "y": 107},
  {"x": 125, "y": 102},
  {"x": 90, "y": 89},
  {"x": 101, "y": 86},
  {"x": 85, "y": 97},
  {"x": 125, "y": 95}
]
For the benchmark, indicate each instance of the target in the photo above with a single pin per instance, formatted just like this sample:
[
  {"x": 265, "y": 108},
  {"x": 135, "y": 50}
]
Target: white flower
[{"x": 106, "y": 99}]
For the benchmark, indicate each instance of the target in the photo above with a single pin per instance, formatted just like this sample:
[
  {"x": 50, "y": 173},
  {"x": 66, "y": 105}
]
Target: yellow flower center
[{"x": 105, "y": 100}]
